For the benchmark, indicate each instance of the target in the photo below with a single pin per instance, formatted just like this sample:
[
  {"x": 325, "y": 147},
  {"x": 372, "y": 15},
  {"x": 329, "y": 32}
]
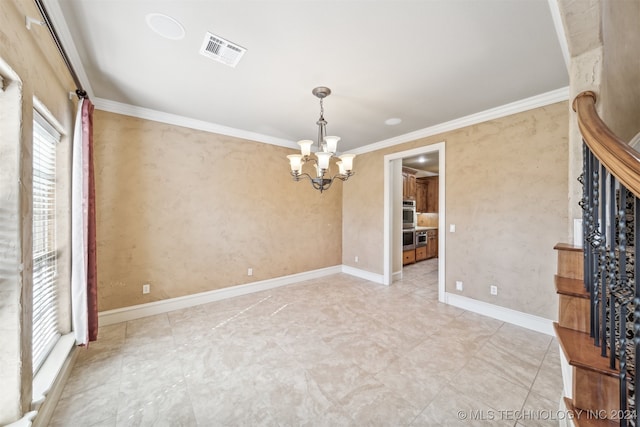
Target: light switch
[{"x": 452, "y": 228}]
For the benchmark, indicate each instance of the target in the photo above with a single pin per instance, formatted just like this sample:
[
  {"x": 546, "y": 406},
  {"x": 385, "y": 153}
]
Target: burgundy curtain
[{"x": 92, "y": 273}]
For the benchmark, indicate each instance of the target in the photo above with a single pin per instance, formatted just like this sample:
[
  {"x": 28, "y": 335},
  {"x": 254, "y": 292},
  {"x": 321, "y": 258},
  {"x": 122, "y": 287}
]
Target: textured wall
[
  {"x": 507, "y": 194},
  {"x": 189, "y": 211},
  {"x": 32, "y": 56},
  {"x": 582, "y": 21},
  {"x": 620, "y": 97}
]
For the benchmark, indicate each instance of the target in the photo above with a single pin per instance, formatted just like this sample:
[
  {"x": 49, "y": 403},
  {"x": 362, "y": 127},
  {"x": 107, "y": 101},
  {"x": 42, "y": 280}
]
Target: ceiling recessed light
[
  {"x": 165, "y": 25},
  {"x": 392, "y": 121},
  {"x": 422, "y": 159}
]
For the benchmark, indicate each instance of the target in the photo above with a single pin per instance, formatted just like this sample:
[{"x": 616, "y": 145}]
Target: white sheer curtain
[{"x": 79, "y": 213}]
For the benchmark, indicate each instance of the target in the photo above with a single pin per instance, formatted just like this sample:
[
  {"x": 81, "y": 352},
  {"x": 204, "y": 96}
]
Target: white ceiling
[{"x": 426, "y": 62}]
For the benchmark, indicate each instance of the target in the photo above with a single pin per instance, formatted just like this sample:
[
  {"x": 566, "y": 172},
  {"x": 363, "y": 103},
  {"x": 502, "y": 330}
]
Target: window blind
[{"x": 45, "y": 303}]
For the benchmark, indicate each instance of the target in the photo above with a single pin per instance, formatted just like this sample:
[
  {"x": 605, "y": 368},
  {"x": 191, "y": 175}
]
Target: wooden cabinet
[
  {"x": 421, "y": 195},
  {"x": 427, "y": 194},
  {"x": 408, "y": 257},
  {"x": 432, "y": 244},
  {"x": 408, "y": 184},
  {"x": 421, "y": 253}
]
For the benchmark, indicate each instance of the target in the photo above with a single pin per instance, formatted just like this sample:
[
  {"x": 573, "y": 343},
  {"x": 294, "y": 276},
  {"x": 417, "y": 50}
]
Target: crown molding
[
  {"x": 526, "y": 104},
  {"x": 174, "y": 119}
]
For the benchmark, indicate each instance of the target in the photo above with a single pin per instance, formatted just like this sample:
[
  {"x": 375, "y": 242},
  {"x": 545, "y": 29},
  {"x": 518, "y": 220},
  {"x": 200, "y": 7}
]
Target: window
[{"x": 45, "y": 303}]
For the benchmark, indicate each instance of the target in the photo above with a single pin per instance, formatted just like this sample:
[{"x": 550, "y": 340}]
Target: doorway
[{"x": 392, "y": 211}]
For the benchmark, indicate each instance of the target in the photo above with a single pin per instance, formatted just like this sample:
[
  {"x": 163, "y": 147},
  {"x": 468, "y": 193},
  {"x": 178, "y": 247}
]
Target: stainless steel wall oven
[
  {"x": 409, "y": 214},
  {"x": 408, "y": 239}
]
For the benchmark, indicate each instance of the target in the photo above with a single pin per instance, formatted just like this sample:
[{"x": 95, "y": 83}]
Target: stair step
[
  {"x": 572, "y": 287},
  {"x": 573, "y": 304},
  {"x": 573, "y": 313},
  {"x": 582, "y": 418},
  {"x": 580, "y": 351},
  {"x": 570, "y": 261},
  {"x": 596, "y": 387}
]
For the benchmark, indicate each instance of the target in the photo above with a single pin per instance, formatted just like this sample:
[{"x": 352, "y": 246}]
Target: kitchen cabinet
[
  {"x": 432, "y": 244},
  {"x": 421, "y": 253},
  {"x": 421, "y": 195},
  {"x": 431, "y": 203},
  {"x": 432, "y": 194},
  {"x": 427, "y": 194},
  {"x": 408, "y": 257},
  {"x": 408, "y": 184}
]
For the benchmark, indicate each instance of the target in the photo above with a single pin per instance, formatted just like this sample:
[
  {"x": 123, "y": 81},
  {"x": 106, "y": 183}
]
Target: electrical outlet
[
  {"x": 250, "y": 271},
  {"x": 356, "y": 258},
  {"x": 146, "y": 288},
  {"x": 458, "y": 285},
  {"x": 493, "y": 289}
]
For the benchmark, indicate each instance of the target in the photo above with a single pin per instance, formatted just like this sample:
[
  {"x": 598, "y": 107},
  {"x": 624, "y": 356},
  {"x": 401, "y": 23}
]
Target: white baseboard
[
  {"x": 396, "y": 276},
  {"x": 567, "y": 375},
  {"x": 125, "y": 314},
  {"x": 119, "y": 315},
  {"x": 363, "y": 274},
  {"x": 529, "y": 321}
]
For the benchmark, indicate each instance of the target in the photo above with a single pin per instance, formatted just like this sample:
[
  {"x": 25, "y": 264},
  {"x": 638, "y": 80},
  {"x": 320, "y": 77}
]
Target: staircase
[
  {"x": 592, "y": 388},
  {"x": 598, "y": 324}
]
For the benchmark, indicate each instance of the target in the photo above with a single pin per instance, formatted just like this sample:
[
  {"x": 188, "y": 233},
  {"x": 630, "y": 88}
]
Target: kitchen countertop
[{"x": 419, "y": 228}]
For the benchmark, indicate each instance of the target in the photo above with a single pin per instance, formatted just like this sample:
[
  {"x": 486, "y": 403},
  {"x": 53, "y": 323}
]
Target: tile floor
[{"x": 336, "y": 351}]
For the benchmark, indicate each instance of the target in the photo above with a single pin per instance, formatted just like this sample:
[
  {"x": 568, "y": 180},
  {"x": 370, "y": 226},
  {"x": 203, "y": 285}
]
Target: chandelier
[{"x": 327, "y": 146}]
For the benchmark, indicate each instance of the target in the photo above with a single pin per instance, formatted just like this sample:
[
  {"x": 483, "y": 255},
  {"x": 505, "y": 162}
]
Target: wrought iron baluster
[
  {"x": 623, "y": 363},
  {"x": 636, "y": 305},
  {"x": 612, "y": 268},
  {"x": 602, "y": 263},
  {"x": 595, "y": 243},
  {"x": 584, "y": 180}
]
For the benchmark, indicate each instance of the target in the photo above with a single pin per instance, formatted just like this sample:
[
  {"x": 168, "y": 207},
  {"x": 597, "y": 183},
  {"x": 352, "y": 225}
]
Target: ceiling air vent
[{"x": 221, "y": 50}]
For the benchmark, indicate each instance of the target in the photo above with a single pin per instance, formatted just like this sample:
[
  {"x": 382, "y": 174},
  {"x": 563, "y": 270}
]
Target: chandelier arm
[
  {"x": 297, "y": 177},
  {"x": 310, "y": 159},
  {"x": 342, "y": 177}
]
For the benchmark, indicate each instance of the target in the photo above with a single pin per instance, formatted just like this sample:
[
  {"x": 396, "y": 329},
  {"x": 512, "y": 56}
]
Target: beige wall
[
  {"x": 190, "y": 211},
  {"x": 506, "y": 191},
  {"x": 40, "y": 72},
  {"x": 620, "y": 96},
  {"x": 603, "y": 40}
]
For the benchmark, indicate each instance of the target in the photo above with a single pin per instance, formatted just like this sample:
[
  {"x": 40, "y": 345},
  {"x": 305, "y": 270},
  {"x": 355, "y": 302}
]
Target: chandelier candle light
[{"x": 327, "y": 146}]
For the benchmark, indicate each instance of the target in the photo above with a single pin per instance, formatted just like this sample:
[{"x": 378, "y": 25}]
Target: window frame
[{"x": 45, "y": 313}]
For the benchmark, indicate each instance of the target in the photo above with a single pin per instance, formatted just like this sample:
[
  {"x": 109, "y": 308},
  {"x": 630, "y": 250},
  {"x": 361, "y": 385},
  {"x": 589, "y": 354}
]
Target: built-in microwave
[{"x": 408, "y": 214}]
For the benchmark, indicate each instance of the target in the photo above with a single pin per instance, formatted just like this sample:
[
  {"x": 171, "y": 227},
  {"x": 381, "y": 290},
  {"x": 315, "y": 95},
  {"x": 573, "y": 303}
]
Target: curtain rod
[{"x": 80, "y": 92}]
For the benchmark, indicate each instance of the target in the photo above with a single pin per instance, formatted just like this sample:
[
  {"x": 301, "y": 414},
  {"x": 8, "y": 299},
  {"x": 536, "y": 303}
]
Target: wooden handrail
[{"x": 617, "y": 156}]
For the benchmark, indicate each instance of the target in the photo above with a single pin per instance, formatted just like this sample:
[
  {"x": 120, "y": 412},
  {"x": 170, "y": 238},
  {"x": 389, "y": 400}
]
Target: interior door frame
[{"x": 388, "y": 211}]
